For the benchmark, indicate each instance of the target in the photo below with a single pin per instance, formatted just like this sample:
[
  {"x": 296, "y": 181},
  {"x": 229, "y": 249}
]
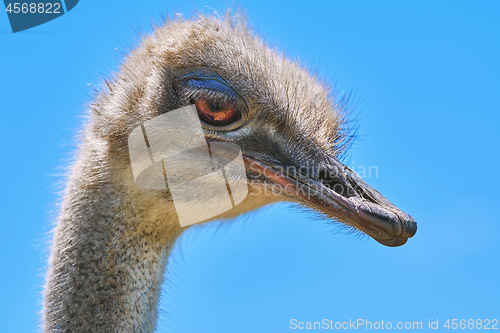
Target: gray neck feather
[{"x": 109, "y": 253}]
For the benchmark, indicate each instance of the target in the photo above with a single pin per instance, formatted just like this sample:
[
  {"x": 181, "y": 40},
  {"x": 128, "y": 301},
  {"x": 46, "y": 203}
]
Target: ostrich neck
[{"x": 108, "y": 257}]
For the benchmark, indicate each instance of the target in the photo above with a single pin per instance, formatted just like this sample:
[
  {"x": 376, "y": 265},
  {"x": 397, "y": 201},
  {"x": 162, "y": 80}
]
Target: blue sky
[{"x": 426, "y": 76}]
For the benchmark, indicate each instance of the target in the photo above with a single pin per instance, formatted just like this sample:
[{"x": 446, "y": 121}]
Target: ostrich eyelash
[
  {"x": 214, "y": 95},
  {"x": 209, "y": 88},
  {"x": 210, "y": 85}
]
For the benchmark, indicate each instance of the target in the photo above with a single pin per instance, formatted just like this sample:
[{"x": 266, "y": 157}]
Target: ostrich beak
[{"x": 337, "y": 192}]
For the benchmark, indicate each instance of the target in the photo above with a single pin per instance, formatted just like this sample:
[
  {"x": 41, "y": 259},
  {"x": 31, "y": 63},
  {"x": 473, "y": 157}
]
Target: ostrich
[{"x": 113, "y": 238}]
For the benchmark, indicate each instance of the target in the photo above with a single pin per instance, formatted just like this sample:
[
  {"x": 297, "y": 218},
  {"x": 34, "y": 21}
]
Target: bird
[{"x": 112, "y": 239}]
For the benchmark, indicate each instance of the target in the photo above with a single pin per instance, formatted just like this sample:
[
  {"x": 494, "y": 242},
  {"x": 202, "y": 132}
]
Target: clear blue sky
[{"x": 427, "y": 77}]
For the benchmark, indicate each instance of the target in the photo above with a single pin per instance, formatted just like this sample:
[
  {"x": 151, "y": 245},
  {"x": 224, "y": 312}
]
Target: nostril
[
  {"x": 331, "y": 181},
  {"x": 363, "y": 194}
]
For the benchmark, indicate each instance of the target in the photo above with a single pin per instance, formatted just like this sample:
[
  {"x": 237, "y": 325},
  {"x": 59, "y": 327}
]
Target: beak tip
[
  {"x": 394, "y": 242},
  {"x": 408, "y": 232},
  {"x": 411, "y": 228}
]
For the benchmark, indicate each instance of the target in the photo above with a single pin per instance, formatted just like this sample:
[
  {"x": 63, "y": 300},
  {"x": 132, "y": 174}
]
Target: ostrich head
[
  {"x": 288, "y": 125},
  {"x": 113, "y": 237}
]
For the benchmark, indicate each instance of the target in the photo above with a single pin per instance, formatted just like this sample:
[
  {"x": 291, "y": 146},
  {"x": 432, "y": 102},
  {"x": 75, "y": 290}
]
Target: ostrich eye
[
  {"x": 216, "y": 113},
  {"x": 217, "y": 103}
]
